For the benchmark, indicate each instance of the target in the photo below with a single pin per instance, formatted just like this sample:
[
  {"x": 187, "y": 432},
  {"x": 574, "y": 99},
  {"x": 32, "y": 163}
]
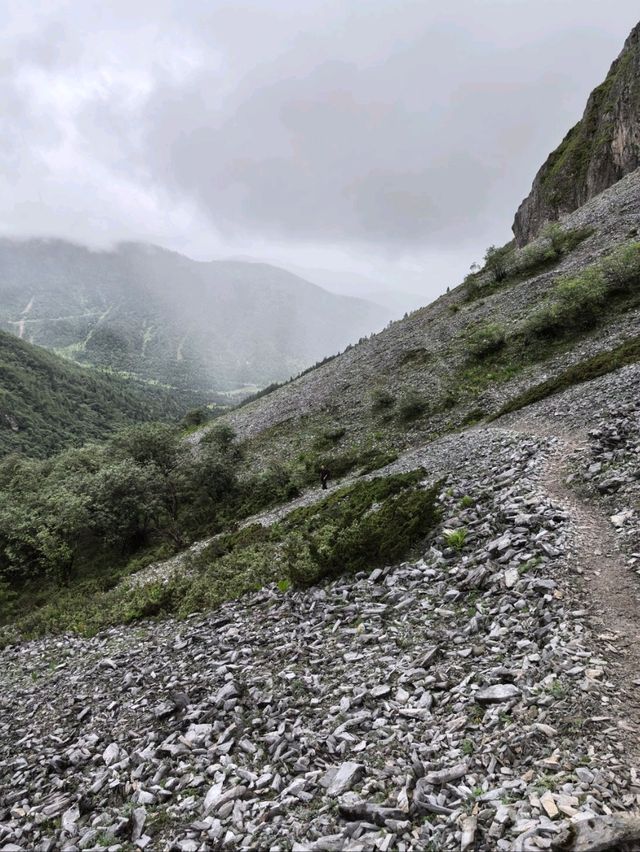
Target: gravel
[{"x": 463, "y": 699}]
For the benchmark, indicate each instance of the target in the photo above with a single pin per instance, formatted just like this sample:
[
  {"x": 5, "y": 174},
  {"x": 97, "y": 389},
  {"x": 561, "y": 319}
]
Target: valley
[
  {"x": 202, "y": 648},
  {"x": 157, "y": 316}
]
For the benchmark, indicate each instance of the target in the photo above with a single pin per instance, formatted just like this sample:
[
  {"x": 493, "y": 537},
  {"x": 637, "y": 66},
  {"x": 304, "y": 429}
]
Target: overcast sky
[{"x": 387, "y": 137}]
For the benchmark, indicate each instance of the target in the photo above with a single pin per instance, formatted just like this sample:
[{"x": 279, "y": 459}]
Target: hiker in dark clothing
[{"x": 324, "y": 477}]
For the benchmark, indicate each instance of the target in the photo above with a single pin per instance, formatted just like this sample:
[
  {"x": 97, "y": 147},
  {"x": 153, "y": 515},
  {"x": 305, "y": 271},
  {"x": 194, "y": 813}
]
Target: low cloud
[{"x": 386, "y": 135}]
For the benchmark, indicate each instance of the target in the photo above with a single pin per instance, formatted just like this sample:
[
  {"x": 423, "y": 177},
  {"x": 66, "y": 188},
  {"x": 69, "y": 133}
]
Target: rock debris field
[{"x": 471, "y": 699}]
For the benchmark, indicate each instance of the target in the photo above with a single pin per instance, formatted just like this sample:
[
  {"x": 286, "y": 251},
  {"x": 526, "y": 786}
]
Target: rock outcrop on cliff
[{"x": 602, "y": 148}]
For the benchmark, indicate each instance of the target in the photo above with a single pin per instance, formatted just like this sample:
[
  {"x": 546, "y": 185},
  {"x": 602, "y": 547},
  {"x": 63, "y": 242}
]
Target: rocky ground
[
  {"x": 479, "y": 697},
  {"x": 427, "y": 352}
]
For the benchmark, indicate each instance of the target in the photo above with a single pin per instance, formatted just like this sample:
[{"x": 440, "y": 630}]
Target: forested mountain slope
[
  {"x": 47, "y": 404},
  {"x": 158, "y": 315}
]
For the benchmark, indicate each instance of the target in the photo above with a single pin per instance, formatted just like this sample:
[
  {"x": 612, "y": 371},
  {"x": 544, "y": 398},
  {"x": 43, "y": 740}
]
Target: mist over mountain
[
  {"x": 382, "y": 291},
  {"x": 157, "y": 315}
]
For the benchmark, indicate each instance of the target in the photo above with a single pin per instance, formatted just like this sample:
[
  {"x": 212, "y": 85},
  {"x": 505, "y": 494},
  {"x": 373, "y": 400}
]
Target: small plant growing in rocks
[{"x": 456, "y": 538}]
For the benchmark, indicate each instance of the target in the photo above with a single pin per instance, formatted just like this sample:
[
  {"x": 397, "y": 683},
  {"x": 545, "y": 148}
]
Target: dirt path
[{"x": 610, "y": 587}]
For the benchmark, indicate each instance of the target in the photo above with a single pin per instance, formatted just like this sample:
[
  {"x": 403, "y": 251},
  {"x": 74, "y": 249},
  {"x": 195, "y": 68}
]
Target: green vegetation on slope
[
  {"x": 358, "y": 527},
  {"x": 573, "y": 308},
  {"x": 506, "y": 266},
  {"x": 580, "y": 302},
  {"x": 47, "y": 404},
  {"x": 598, "y": 365},
  {"x": 72, "y": 526}
]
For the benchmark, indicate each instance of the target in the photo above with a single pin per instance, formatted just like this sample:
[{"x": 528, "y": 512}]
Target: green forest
[{"x": 48, "y": 404}]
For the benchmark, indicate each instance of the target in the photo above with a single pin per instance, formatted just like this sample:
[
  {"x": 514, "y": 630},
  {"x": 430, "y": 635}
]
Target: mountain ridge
[{"x": 155, "y": 314}]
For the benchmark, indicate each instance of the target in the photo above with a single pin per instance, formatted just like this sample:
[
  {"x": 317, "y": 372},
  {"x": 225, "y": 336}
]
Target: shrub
[
  {"x": 575, "y": 304},
  {"x": 499, "y": 261},
  {"x": 486, "y": 339},
  {"x": 535, "y": 256},
  {"x": 329, "y": 438},
  {"x": 555, "y": 242},
  {"x": 361, "y": 529},
  {"x": 471, "y": 284},
  {"x": 564, "y": 240},
  {"x": 196, "y": 417},
  {"x": 377, "y": 459},
  {"x": 411, "y": 406},
  {"x": 621, "y": 269},
  {"x": 276, "y": 484},
  {"x": 381, "y": 399},
  {"x": 221, "y": 435}
]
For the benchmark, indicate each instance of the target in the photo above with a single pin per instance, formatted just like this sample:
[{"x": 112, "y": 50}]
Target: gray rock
[
  {"x": 343, "y": 778},
  {"x": 497, "y": 694}
]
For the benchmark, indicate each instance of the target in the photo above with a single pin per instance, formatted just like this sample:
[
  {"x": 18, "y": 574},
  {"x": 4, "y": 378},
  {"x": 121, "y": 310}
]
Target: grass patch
[
  {"x": 580, "y": 302},
  {"x": 505, "y": 266},
  {"x": 486, "y": 339},
  {"x": 599, "y": 365},
  {"x": 456, "y": 538}
]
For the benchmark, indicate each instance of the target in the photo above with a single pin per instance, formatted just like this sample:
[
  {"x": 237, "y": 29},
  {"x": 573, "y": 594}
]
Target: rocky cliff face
[{"x": 602, "y": 148}]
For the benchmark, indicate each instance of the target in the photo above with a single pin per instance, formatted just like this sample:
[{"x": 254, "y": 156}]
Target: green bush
[
  {"x": 382, "y": 399},
  {"x": 372, "y": 523},
  {"x": 276, "y": 484},
  {"x": 196, "y": 417},
  {"x": 499, "y": 261},
  {"x": 376, "y": 459},
  {"x": 411, "y": 406},
  {"x": 329, "y": 438},
  {"x": 486, "y": 339},
  {"x": 576, "y": 304},
  {"x": 621, "y": 269}
]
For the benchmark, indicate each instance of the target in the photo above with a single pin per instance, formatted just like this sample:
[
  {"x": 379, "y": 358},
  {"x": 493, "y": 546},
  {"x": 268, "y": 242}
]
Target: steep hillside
[
  {"x": 602, "y": 148},
  {"x": 477, "y": 697},
  {"x": 439, "y": 652},
  {"x": 474, "y": 350},
  {"x": 157, "y": 315},
  {"x": 47, "y": 404}
]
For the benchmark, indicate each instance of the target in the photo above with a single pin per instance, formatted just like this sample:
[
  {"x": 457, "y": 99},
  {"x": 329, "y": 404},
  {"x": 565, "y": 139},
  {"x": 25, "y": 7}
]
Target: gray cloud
[{"x": 391, "y": 137}]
